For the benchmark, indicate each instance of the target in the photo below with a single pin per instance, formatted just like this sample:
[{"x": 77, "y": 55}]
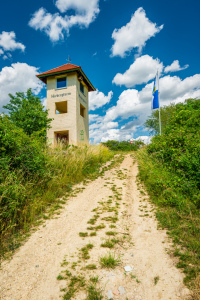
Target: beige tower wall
[
  {"x": 71, "y": 122},
  {"x": 82, "y": 122}
]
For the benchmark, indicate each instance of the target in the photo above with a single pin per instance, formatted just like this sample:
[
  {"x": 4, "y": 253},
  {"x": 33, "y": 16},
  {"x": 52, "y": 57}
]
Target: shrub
[{"x": 123, "y": 145}]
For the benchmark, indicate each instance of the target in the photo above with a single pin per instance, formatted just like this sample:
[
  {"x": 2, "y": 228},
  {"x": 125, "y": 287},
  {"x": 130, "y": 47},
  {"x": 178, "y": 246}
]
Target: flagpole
[{"x": 159, "y": 103}]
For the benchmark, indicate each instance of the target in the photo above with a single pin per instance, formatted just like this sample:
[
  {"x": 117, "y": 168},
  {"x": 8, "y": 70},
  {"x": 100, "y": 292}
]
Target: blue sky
[{"x": 119, "y": 45}]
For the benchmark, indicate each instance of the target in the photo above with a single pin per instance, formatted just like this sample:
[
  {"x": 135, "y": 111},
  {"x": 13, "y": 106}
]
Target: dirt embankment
[{"x": 111, "y": 208}]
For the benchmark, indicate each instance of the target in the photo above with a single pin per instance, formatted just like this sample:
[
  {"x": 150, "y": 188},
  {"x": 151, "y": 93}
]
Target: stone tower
[{"x": 67, "y": 104}]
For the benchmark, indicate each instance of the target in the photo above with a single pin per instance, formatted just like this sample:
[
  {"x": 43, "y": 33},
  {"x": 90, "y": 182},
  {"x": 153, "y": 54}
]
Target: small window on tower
[
  {"x": 61, "y": 107},
  {"x": 61, "y": 83},
  {"x": 82, "y": 110},
  {"x": 81, "y": 87}
]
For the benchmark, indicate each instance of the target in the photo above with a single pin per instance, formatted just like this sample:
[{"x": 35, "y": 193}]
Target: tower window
[
  {"x": 61, "y": 82},
  {"x": 81, "y": 87},
  {"x": 61, "y": 107},
  {"x": 82, "y": 110}
]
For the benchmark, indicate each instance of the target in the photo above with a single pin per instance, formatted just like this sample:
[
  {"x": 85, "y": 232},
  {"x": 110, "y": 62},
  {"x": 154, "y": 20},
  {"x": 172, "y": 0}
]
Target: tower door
[{"x": 61, "y": 137}]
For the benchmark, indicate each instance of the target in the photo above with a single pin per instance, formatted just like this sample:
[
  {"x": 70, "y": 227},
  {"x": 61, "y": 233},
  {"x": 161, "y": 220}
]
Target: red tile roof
[{"x": 65, "y": 69}]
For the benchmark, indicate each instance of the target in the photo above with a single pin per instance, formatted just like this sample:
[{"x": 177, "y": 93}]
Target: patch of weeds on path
[
  {"x": 94, "y": 279},
  {"x": 74, "y": 285},
  {"x": 93, "y": 293},
  {"x": 83, "y": 234},
  {"x": 110, "y": 219},
  {"x": 156, "y": 280},
  {"x": 85, "y": 251},
  {"x": 111, "y": 233},
  {"x": 109, "y": 260},
  {"x": 93, "y": 233},
  {"x": 112, "y": 226},
  {"x": 110, "y": 243},
  {"x": 91, "y": 267}
]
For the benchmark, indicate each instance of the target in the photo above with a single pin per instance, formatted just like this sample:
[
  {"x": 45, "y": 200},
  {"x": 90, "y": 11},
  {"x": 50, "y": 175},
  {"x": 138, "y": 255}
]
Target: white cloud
[
  {"x": 145, "y": 139},
  {"x": 136, "y": 105},
  {"x": 173, "y": 89},
  {"x": 52, "y": 24},
  {"x": 98, "y": 99},
  {"x": 7, "y": 56},
  {"x": 44, "y": 102},
  {"x": 134, "y": 34},
  {"x": 8, "y": 42},
  {"x": 93, "y": 118},
  {"x": 18, "y": 78},
  {"x": 55, "y": 25},
  {"x": 174, "y": 67},
  {"x": 88, "y": 8},
  {"x": 127, "y": 105},
  {"x": 1, "y": 52},
  {"x": 141, "y": 71}
]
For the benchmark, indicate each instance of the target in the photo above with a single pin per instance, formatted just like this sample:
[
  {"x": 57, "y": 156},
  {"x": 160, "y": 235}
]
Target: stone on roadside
[
  {"x": 110, "y": 294},
  {"x": 121, "y": 290},
  {"x": 128, "y": 269}
]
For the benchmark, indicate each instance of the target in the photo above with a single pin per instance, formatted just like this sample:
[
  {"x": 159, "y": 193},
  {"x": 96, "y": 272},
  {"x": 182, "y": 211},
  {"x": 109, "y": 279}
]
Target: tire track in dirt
[{"x": 32, "y": 272}]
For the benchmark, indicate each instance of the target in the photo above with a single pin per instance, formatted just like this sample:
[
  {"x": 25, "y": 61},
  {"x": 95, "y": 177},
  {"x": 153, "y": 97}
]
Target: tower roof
[{"x": 67, "y": 68}]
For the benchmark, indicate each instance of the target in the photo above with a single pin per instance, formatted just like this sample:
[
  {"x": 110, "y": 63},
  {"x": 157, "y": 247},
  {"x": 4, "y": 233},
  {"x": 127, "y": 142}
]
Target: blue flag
[{"x": 155, "y": 100}]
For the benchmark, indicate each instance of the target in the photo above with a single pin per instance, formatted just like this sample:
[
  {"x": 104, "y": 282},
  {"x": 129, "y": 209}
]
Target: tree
[
  {"x": 27, "y": 112},
  {"x": 18, "y": 151},
  {"x": 166, "y": 113}
]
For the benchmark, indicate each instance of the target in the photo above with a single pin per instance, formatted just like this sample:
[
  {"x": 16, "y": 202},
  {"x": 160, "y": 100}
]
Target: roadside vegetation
[
  {"x": 33, "y": 176},
  {"x": 36, "y": 180},
  {"x": 123, "y": 145},
  {"x": 170, "y": 170}
]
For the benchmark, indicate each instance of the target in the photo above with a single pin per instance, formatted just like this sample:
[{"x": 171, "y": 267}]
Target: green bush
[
  {"x": 19, "y": 151},
  {"x": 123, "y": 145},
  {"x": 178, "y": 148},
  {"x": 27, "y": 112}
]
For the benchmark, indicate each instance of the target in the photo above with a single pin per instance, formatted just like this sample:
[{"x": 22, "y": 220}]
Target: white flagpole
[{"x": 159, "y": 103}]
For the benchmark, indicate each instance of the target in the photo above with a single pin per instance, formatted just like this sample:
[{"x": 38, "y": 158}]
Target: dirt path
[{"x": 117, "y": 201}]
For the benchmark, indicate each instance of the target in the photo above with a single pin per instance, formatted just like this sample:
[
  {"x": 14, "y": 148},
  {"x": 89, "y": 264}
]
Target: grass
[
  {"x": 110, "y": 243},
  {"x": 93, "y": 233},
  {"x": 60, "y": 277},
  {"x": 94, "y": 279},
  {"x": 91, "y": 267},
  {"x": 109, "y": 260},
  {"x": 110, "y": 219},
  {"x": 83, "y": 234},
  {"x": 137, "y": 280},
  {"x": 156, "y": 279},
  {"x": 75, "y": 284},
  {"x": 90, "y": 228},
  {"x": 93, "y": 293},
  {"x": 175, "y": 212},
  {"x": 112, "y": 226},
  {"x": 111, "y": 233},
  {"x": 196, "y": 289},
  {"x": 85, "y": 251},
  {"x": 31, "y": 199},
  {"x": 99, "y": 227}
]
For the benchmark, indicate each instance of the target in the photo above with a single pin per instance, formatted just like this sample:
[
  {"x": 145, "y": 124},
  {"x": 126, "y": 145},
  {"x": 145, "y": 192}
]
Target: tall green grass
[{"x": 24, "y": 197}]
